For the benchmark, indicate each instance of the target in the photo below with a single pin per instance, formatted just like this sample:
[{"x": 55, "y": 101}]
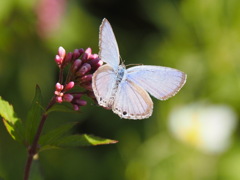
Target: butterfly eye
[{"x": 124, "y": 113}]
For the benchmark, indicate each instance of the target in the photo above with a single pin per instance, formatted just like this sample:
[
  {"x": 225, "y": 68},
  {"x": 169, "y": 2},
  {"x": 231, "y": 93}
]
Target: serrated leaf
[
  {"x": 12, "y": 123},
  {"x": 61, "y": 108},
  {"x": 33, "y": 116}
]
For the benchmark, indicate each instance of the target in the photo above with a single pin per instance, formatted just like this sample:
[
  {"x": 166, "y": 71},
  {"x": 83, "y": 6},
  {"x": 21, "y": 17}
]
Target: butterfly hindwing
[
  {"x": 103, "y": 83},
  {"x": 160, "y": 82},
  {"x": 132, "y": 102}
]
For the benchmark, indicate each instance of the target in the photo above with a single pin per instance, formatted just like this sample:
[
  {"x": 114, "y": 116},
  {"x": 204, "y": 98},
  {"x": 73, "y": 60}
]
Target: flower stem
[{"x": 34, "y": 147}]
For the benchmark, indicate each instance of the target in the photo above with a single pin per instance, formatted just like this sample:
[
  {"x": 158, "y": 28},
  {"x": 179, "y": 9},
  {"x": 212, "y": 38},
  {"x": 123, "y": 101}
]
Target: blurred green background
[{"x": 199, "y": 37}]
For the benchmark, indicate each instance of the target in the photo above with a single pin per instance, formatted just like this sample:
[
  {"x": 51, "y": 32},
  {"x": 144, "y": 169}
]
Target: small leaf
[
  {"x": 79, "y": 140},
  {"x": 61, "y": 137},
  {"x": 12, "y": 123},
  {"x": 33, "y": 116}
]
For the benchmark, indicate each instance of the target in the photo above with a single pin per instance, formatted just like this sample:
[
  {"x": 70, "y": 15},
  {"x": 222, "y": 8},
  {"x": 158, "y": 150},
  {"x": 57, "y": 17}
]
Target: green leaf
[
  {"x": 61, "y": 108},
  {"x": 33, "y": 116},
  {"x": 56, "y": 134},
  {"x": 12, "y": 123},
  {"x": 61, "y": 138},
  {"x": 79, "y": 140}
]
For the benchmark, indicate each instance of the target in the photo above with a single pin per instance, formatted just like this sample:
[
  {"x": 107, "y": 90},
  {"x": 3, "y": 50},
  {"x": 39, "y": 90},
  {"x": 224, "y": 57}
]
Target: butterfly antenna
[{"x": 121, "y": 60}]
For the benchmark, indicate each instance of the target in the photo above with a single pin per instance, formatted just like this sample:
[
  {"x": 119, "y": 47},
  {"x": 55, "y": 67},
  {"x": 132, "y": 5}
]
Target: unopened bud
[
  {"x": 80, "y": 102},
  {"x": 76, "y": 54},
  {"x": 85, "y": 57},
  {"x": 88, "y": 51},
  {"x": 76, "y": 65},
  {"x": 93, "y": 56},
  {"x": 78, "y": 96},
  {"x": 61, "y": 52},
  {"x": 95, "y": 63},
  {"x": 59, "y": 87},
  {"x": 59, "y": 99},
  {"x": 86, "y": 78},
  {"x": 67, "y": 97},
  {"x": 81, "y": 51},
  {"x": 69, "y": 86},
  {"x": 58, "y": 60},
  {"x": 68, "y": 57},
  {"x": 75, "y": 107},
  {"x": 84, "y": 69}
]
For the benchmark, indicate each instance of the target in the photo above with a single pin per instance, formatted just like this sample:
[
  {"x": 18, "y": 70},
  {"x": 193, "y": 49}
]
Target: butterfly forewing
[
  {"x": 104, "y": 80},
  {"x": 132, "y": 102},
  {"x": 109, "y": 52},
  {"x": 160, "y": 82}
]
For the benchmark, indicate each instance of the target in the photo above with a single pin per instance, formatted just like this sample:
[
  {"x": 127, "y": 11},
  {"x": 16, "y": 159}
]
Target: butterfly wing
[
  {"x": 132, "y": 101},
  {"x": 109, "y": 52},
  {"x": 160, "y": 82},
  {"x": 103, "y": 82}
]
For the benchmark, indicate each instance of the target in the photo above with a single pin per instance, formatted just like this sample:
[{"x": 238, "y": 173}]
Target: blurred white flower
[{"x": 206, "y": 127}]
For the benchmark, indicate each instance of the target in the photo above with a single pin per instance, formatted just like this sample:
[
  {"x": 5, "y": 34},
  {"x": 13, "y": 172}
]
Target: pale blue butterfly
[{"x": 125, "y": 90}]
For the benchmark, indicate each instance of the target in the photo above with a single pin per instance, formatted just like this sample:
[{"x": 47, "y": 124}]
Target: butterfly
[{"x": 125, "y": 91}]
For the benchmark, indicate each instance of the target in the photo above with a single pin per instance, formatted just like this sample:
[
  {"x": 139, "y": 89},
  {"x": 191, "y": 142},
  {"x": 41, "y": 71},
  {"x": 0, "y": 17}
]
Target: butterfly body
[
  {"x": 119, "y": 75},
  {"x": 125, "y": 91}
]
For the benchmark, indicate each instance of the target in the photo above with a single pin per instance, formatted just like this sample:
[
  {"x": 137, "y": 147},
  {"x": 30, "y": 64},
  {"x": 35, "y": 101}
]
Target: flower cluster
[{"x": 81, "y": 65}]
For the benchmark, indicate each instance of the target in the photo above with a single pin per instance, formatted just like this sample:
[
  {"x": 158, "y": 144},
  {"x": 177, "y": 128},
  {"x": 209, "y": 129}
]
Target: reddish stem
[{"x": 34, "y": 147}]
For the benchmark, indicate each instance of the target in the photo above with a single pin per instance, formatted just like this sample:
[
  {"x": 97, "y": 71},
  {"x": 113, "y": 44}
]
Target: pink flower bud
[
  {"x": 69, "y": 86},
  {"x": 58, "y": 60},
  {"x": 59, "y": 99},
  {"x": 84, "y": 69},
  {"x": 95, "y": 63},
  {"x": 86, "y": 78},
  {"x": 81, "y": 51},
  {"x": 78, "y": 96},
  {"x": 85, "y": 57},
  {"x": 57, "y": 93},
  {"x": 75, "y": 107},
  {"x": 76, "y": 65},
  {"x": 67, "y": 97},
  {"x": 76, "y": 54},
  {"x": 61, "y": 52},
  {"x": 80, "y": 102},
  {"x": 93, "y": 56},
  {"x": 59, "y": 87},
  {"x": 68, "y": 57},
  {"x": 88, "y": 51}
]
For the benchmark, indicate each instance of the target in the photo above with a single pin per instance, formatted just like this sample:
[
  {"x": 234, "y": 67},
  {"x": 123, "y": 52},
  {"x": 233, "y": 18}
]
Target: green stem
[{"x": 34, "y": 147}]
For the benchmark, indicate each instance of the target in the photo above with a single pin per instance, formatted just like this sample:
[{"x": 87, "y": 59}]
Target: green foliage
[
  {"x": 11, "y": 121},
  {"x": 61, "y": 108},
  {"x": 33, "y": 117},
  {"x": 63, "y": 138}
]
